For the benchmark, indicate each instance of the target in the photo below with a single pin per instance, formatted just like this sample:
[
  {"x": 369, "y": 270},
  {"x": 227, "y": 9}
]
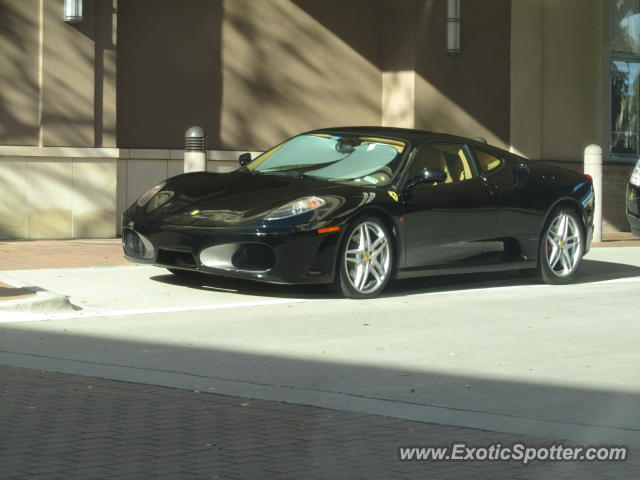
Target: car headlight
[
  {"x": 635, "y": 176},
  {"x": 297, "y": 207},
  {"x": 149, "y": 194}
]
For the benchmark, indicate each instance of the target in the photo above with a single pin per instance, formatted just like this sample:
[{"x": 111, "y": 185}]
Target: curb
[{"x": 43, "y": 301}]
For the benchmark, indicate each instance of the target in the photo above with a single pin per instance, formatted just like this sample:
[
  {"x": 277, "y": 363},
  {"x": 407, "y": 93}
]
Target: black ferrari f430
[{"x": 355, "y": 207}]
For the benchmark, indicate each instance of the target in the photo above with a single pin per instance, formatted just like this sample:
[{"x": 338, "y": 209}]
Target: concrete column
[{"x": 593, "y": 168}]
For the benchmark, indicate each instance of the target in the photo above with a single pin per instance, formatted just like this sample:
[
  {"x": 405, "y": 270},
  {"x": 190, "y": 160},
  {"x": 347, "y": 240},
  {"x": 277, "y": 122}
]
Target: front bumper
[{"x": 285, "y": 257}]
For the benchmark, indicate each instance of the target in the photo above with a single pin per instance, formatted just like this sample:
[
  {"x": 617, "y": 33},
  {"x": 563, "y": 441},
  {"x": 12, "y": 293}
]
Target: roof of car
[
  {"x": 416, "y": 136},
  {"x": 409, "y": 134}
]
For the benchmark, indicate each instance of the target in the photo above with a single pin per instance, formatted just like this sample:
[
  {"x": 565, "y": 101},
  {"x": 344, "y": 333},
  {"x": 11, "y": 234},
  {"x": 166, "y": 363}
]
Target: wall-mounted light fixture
[
  {"x": 73, "y": 11},
  {"x": 453, "y": 27}
]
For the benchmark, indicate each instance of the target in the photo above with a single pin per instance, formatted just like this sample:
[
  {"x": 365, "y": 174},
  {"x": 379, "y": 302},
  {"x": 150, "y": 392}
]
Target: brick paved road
[{"x": 58, "y": 426}]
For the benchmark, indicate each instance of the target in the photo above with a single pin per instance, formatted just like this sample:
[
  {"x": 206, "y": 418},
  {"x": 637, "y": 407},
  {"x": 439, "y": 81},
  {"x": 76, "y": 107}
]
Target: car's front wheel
[
  {"x": 365, "y": 259},
  {"x": 561, "y": 247}
]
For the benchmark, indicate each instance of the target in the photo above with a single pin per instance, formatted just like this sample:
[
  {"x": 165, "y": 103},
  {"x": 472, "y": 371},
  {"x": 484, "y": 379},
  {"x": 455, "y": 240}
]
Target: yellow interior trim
[
  {"x": 466, "y": 172},
  {"x": 487, "y": 161}
]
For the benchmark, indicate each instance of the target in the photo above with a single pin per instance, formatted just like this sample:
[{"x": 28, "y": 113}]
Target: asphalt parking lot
[{"x": 495, "y": 353}]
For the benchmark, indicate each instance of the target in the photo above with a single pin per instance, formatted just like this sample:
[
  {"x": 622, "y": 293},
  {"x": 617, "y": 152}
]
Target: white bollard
[
  {"x": 593, "y": 167},
  {"x": 195, "y": 155}
]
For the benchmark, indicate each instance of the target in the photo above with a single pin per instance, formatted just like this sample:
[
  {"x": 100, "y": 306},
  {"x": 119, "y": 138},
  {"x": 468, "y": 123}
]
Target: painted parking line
[{"x": 17, "y": 317}]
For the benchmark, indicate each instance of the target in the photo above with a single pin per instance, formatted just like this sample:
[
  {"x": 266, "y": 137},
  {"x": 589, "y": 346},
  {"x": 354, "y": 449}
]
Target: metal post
[
  {"x": 593, "y": 167},
  {"x": 195, "y": 154}
]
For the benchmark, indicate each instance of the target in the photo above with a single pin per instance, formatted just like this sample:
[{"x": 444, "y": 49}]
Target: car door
[
  {"x": 447, "y": 223},
  {"x": 507, "y": 179}
]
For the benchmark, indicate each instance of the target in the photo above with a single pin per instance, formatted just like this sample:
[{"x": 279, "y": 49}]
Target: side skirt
[{"x": 497, "y": 267}]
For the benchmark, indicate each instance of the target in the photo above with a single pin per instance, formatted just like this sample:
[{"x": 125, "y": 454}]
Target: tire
[
  {"x": 365, "y": 259},
  {"x": 561, "y": 247}
]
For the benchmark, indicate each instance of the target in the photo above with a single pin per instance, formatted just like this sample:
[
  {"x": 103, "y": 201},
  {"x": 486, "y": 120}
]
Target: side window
[
  {"x": 449, "y": 158},
  {"x": 486, "y": 161}
]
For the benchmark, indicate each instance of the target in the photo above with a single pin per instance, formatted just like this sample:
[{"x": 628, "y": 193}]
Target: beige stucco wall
[
  {"x": 50, "y": 195},
  {"x": 557, "y": 77}
]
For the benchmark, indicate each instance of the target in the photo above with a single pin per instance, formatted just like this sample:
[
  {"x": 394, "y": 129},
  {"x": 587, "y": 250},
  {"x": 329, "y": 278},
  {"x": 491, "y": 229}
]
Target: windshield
[{"x": 342, "y": 158}]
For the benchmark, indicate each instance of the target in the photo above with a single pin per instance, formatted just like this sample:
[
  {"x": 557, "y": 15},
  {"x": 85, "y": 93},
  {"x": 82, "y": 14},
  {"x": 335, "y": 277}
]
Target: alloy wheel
[
  {"x": 367, "y": 257},
  {"x": 563, "y": 245}
]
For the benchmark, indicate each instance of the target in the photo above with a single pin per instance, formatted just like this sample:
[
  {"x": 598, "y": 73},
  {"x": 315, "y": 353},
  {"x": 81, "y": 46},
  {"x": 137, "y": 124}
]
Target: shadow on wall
[
  {"x": 72, "y": 58},
  {"x": 465, "y": 94},
  {"x": 169, "y": 71},
  {"x": 468, "y": 93},
  {"x": 270, "y": 69},
  {"x": 19, "y": 77},
  {"x": 286, "y": 70}
]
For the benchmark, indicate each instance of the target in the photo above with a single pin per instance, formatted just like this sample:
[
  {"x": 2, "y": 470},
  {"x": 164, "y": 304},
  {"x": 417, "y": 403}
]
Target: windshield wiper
[{"x": 287, "y": 173}]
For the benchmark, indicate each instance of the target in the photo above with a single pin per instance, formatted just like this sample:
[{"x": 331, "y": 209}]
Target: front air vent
[
  {"x": 254, "y": 257},
  {"x": 133, "y": 244}
]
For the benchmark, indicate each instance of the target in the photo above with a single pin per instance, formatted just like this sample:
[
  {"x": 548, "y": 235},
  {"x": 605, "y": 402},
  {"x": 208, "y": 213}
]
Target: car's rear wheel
[
  {"x": 561, "y": 247},
  {"x": 365, "y": 259}
]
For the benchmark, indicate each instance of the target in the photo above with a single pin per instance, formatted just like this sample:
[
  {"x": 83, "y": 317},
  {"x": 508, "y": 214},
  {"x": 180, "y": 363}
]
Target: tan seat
[
  {"x": 459, "y": 166},
  {"x": 435, "y": 161}
]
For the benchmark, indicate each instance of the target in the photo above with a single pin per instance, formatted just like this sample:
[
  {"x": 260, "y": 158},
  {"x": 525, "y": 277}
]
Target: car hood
[{"x": 236, "y": 198}]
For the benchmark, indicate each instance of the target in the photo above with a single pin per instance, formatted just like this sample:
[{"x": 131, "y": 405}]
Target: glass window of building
[{"x": 624, "y": 46}]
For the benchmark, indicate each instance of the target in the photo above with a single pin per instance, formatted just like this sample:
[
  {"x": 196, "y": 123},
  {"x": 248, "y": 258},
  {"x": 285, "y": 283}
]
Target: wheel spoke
[
  {"x": 378, "y": 267},
  {"x": 367, "y": 241},
  {"x": 566, "y": 261},
  {"x": 357, "y": 277},
  {"x": 381, "y": 240},
  {"x": 376, "y": 273},
  {"x": 563, "y": 227},
  {"x": 362, "y": 238},
  {"x": 365, "y": 276},
  {"x": 352, "y": 256},
  {"x": 572, "y": 241},
  {"x": 554, "y": 256},
  {"x": 379, "y": 250}
]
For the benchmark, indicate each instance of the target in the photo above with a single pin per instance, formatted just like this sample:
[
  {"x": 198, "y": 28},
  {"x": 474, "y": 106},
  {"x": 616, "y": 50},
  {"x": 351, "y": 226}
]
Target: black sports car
[
  {"x": 356, "y": 206},
  {"x": 633, "y": 200}
]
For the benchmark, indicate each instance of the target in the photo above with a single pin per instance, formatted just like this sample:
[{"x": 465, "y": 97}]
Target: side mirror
[
  {"x": 244, "y": 159},
  {"x": 427, "y": 176}
]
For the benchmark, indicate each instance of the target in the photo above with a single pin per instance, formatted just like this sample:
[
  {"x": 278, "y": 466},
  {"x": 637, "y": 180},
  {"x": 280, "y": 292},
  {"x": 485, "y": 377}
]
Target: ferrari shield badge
[{"x": 393, "y": 195}]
